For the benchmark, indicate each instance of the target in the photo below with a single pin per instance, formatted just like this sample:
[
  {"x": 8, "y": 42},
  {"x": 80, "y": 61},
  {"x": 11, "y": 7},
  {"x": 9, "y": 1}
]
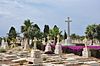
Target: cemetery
[{"x": 29, "y": 50}]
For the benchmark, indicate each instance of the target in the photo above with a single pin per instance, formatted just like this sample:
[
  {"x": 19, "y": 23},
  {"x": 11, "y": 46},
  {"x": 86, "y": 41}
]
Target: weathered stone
[
  {"x": 35, "y": 58},
  {"x": 86, "y": 52},
  {"x": 19, "y": 60}
]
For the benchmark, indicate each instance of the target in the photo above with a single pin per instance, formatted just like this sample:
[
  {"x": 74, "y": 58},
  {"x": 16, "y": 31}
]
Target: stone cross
[
  {"x": 48, "y": 47},
  {"x": 58, "y": 48},
  {"x": 35, "y": 40},
  {"x": 68, "y": 21}
]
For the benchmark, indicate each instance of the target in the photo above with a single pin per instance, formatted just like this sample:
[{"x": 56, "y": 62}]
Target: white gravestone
[
  {"x": 58, "y": 48},
  {"x": 86, "y": 52},
  {"x": 4, "y": 44},
  {"x": 35, "y": 56},
  {"x": 48, "y": 47}
]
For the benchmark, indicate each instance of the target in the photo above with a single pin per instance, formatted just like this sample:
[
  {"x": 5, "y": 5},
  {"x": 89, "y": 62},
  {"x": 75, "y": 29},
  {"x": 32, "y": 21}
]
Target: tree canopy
[{"x": 12, "y": 33}]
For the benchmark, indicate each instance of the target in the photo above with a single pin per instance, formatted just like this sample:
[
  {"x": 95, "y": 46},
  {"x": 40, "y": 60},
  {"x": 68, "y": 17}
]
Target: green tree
[
  {"x": 54, "y": 32},
  {"x": 46, "y": 31},
  {"x": 0, "y": 40},
  {"x": 25, "y": 29},
  {"x": 74, "y": 36},
  {"x": 35, "y": 32},
  {"x": 98, "y": 32},
  {"x": 65, "y": 35},
  {"x": 91, "y": 32},
  {"x": 12, "y": 33}
]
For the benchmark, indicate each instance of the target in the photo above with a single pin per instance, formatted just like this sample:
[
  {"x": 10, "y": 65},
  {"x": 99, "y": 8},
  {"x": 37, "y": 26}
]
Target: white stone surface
[
  {"x": 58, "y": 49},
  {"x": 19, "y": 60},
  {"x": 48, "y": 48},
  {"x": 4, "y": 65},
  {"x": 86, "y": 52},
  {"x": 35, "y": 57},
  {"x": 4, "y": 44}
]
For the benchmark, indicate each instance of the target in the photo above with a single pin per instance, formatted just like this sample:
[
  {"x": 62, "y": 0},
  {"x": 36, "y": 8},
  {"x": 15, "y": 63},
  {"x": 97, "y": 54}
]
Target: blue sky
[{"x": 51, "y": 12}]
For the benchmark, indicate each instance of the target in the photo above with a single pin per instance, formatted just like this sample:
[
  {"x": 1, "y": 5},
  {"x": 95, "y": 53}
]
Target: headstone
[
  {"x": 86, "y": 52},
  {"x": 4, "y": 44},
  {"x": 58, "y": 48},
  {"x": 48, "y": 47},
  {"x": 35, "y": 58}
]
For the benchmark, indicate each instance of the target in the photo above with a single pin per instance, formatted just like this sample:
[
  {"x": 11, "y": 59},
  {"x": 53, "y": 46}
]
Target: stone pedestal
[
  {"x": 68, "y": 42},
  {"x": 35, "y": 58},
  {"x": 48, "y": 48},
  {"x": 58, "y": 49},
  {"x": 86, "y": 52}
]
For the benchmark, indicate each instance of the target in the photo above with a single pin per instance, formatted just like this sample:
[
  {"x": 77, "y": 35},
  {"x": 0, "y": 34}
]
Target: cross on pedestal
[
  {"x": 68, "y": 41},
  {"x": 48, "y": 47},
  {"x": 58, "y": 47}
]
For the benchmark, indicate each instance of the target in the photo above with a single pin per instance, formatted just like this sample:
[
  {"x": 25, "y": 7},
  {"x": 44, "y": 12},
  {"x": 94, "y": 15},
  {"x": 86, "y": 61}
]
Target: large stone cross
[{"x": 68, "y": 21}]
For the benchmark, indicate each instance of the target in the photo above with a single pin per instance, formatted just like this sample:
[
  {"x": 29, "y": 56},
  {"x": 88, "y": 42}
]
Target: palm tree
[
  {"x": 25, "y": 29},
  {"x": 54, "y": 32}
]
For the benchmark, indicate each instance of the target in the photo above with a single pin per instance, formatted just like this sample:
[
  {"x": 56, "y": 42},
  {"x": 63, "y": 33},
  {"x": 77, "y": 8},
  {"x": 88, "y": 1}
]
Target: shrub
[{"x": 2, "y": 50}]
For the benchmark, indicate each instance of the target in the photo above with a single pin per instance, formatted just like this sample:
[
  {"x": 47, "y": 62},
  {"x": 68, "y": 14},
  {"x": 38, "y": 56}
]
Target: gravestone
[
  {"x": 86, "y": 52},
  {"x": 4, "y": 44},
  {"x": 35, "y": 58},
  {"x": 58, "y": 47},
  {"x": 48, "y": 47}
]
